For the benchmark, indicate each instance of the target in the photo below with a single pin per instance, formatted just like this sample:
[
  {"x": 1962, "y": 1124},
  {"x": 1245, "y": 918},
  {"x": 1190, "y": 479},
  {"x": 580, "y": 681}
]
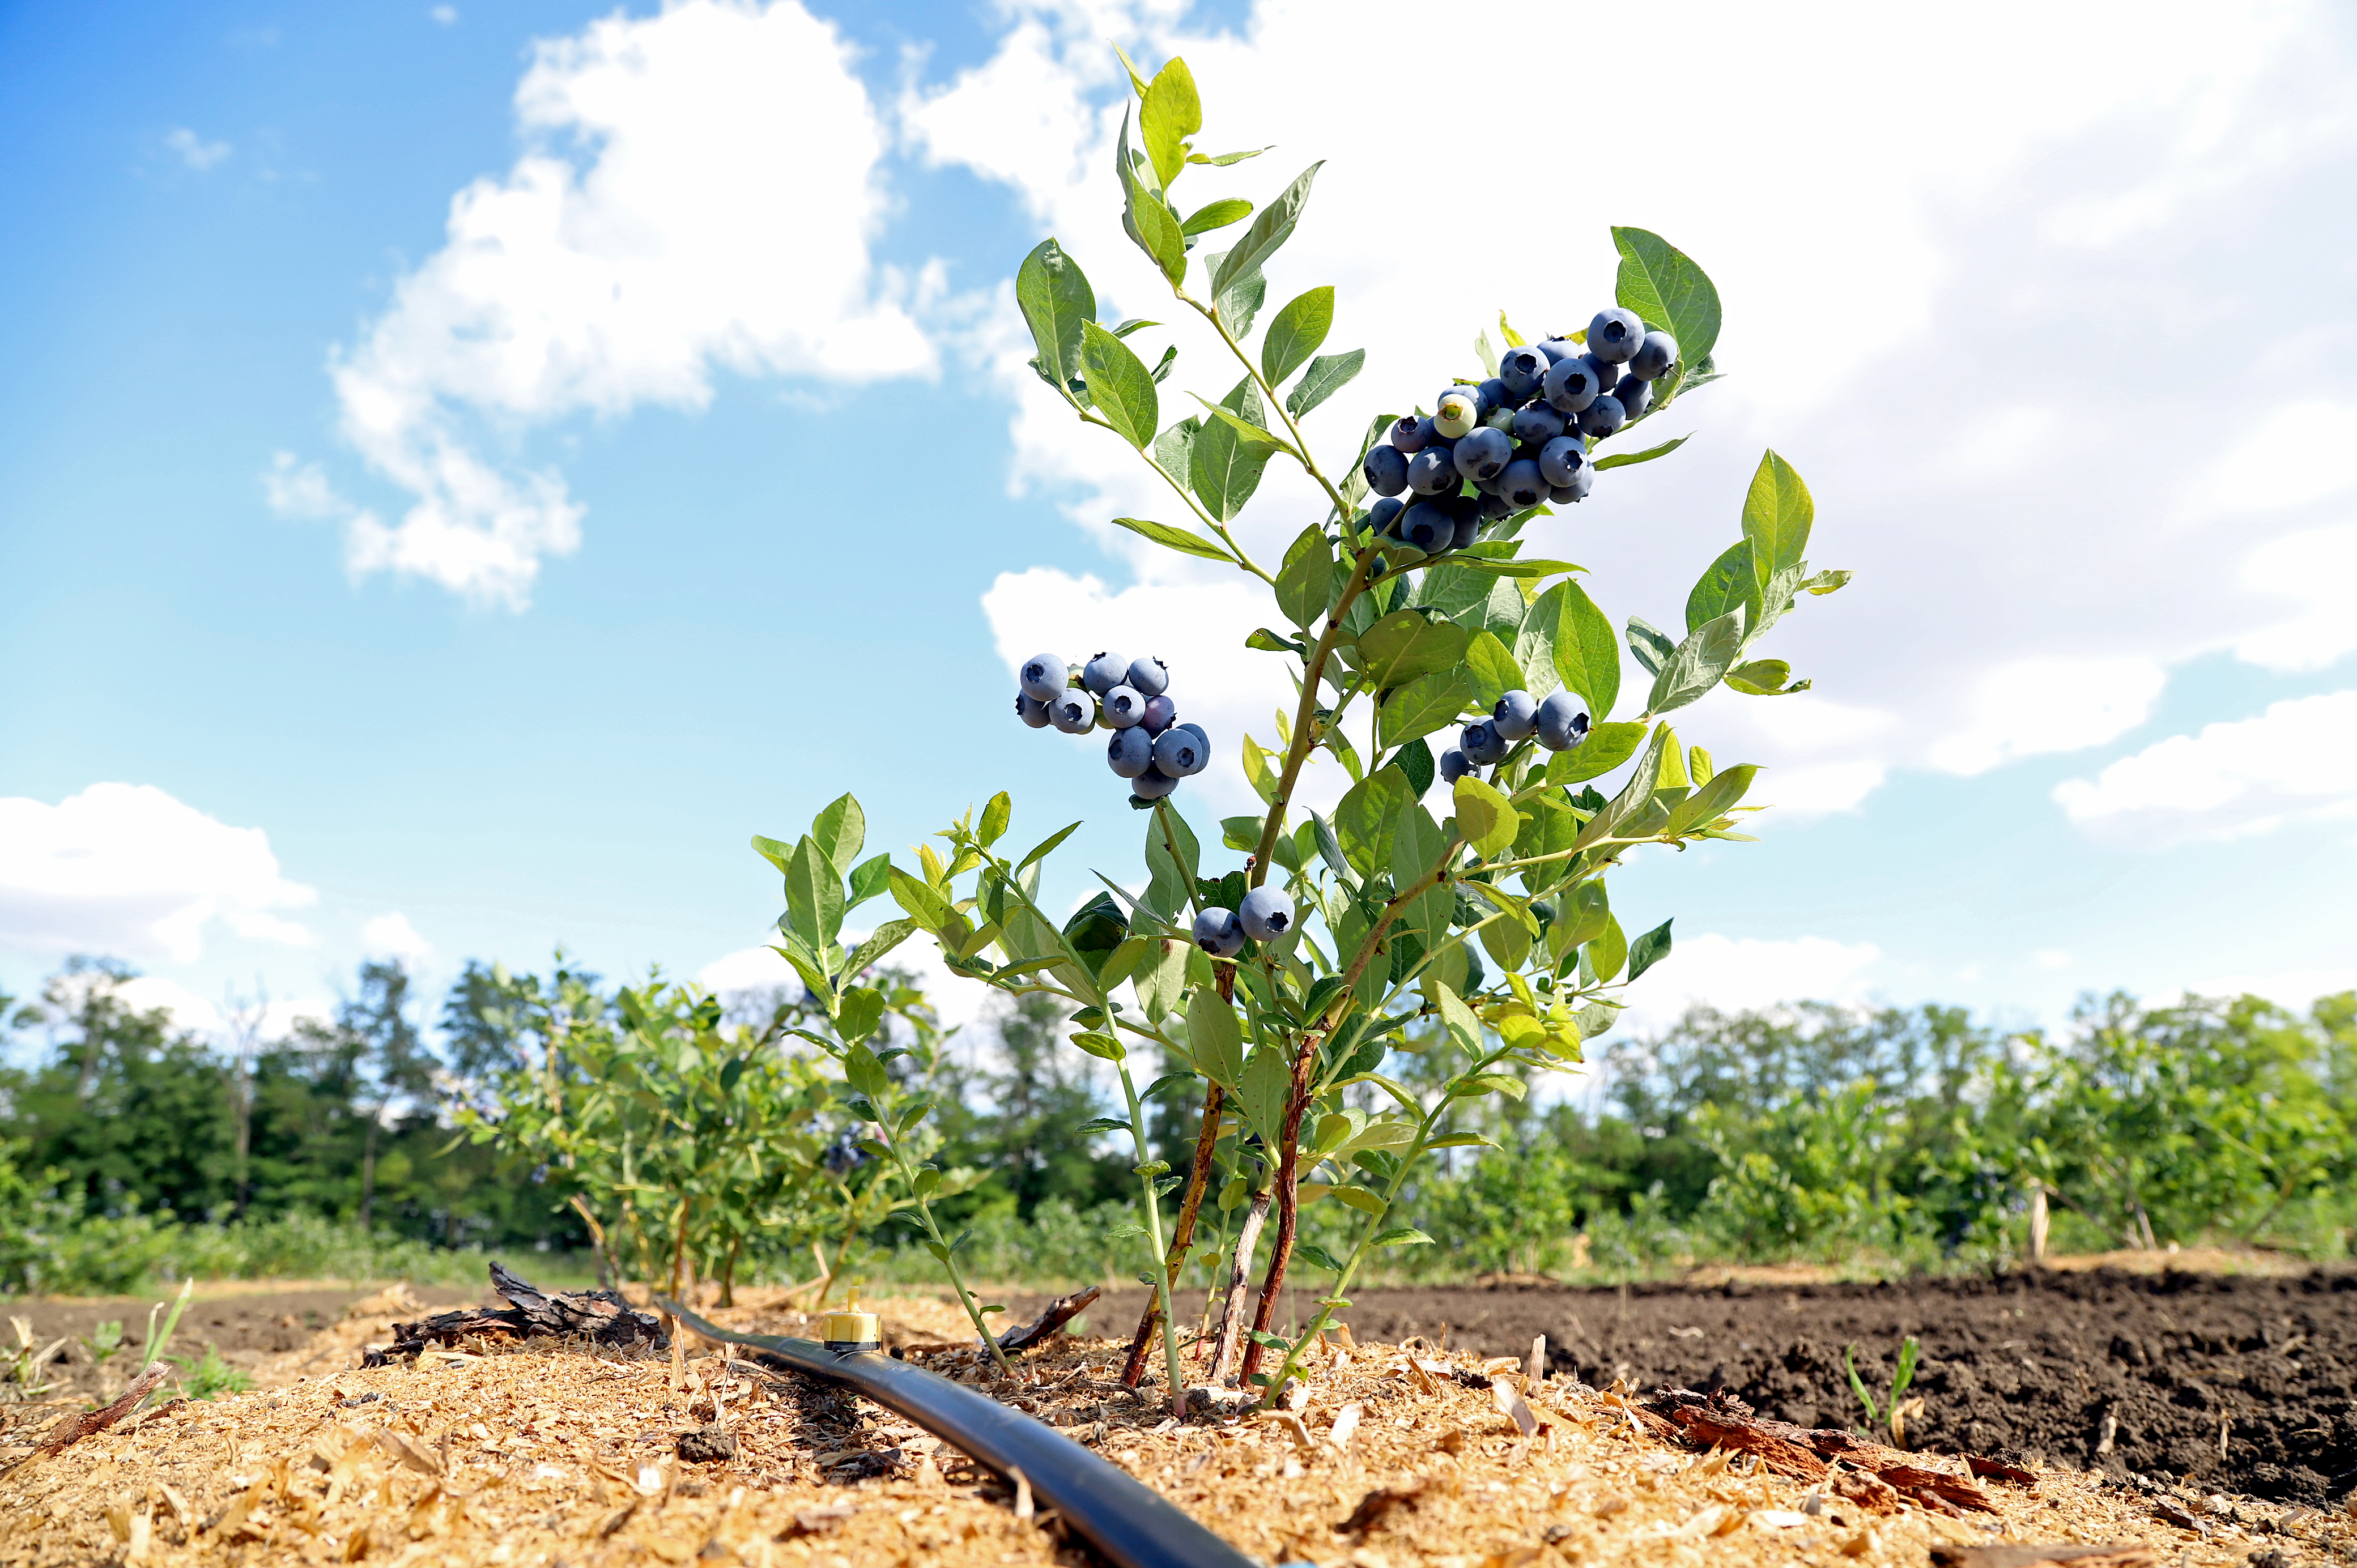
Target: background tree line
[{"x": 1810, "y": 1131}]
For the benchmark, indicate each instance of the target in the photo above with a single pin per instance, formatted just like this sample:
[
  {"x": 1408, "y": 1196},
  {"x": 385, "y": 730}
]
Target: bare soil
[{"x": 2241, "y": 1383}]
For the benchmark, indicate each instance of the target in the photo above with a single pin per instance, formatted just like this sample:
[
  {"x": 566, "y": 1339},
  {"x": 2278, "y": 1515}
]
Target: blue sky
[{"x": 462, "y": 471}]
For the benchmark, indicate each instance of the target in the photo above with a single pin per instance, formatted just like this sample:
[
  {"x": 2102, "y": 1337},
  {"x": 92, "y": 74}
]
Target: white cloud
[
  {"x": 2298, "y": 761},
  {"x": 2047, "y": 705},
  {"x": 2300, "y": 454},
  {"x": 2295, "y": 989},
  {"x": 1736, "y": 973},
  {"x": 390, "y": 935},
  {"x": 2030, "y": 564},
  {"x": 2315, "y": 567},
  {"x": 127, "y": 870},
  {"x": 188, "y": 1011},
  {"x": 2050, "y": 959},
  {"x": 699, "y": 195},
  {"x": 446, "y": 15},
  {"x": 194, "y": 150},
  {"x": 957, "y": 1000}
]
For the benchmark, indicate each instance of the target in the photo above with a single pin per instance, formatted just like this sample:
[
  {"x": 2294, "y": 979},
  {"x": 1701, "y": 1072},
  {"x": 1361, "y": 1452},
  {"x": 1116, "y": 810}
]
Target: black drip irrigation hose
[{"x": 1132, "y": 1524}]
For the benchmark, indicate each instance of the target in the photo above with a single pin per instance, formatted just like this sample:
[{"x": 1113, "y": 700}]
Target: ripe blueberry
[
  {"x": 1152, "y": 785},
  {"x": 1483, "y": 454},
  {"x": 1031, "y": 710},
  {"x": 1218, "y": 933},
  {"x": 1181, "y": 751},
  {"x": 1433, "y": 472},
  {"x": 1571, "y": 384},
  {"x": 1654, "y": 356},
  {"x": 1453, "y": 765},
  {"x": 1148, "y": 677},
  {"x": 1602, "y": 417},
  {"x": 1493, "y": 395},
  {"x": 1386, "y": 470},
  {"x": 1521, "y": 369},
  {"x": 1538, "y": 424},
  {"x": 1427, "y": 526},
  {"x": 1562, "y": 457},
  {"x": 1516, "y": 716},
  {"x": 1558, "y": 349},
  {"x": 1563, "y": 722},
  {"x": 1130, "y": 752},
  {"x": 1103, "y": 672},
  {"x": 1481, "y": 743},
  {"x": 1636, "y": 396},
  {"x": 1614, "y": 335},
  {"x": 1465, "y": 523},
  {"x": 1492, "y": 508},
  {"x": 1457, "y": 412},
  {"x": 1411, "y": 433},
  {"x": 1581, "y": 483},
  {"x": 1382, "y": 518},
  {"x": 1073, "y": 711},
  {"x": 1265, "y": 914},
  {"x": 1160, "y": 714},
  {"x": 1522, "y": 485},
  {"x": 1125, "y": 708},
  {"x": 1044, "y": 676}
]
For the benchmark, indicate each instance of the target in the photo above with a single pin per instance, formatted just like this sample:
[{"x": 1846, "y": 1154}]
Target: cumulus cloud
[
  {"x": 390, "y": 935},
  {"x": 127, "y": 870},
  {"x": 2298, "y": 761},
  {"x": 194, "y": 150},
  {"x": 958, "y": 1000},
  {"x": 269, "y": 1020},
  {"x": 699, "y": 194},
  {"x": 2310, "y": 569},
  {"x": 1736, "y": 973},
  {"x": 2035, "y": 551},
  {"x": 2295, "y": 989}
]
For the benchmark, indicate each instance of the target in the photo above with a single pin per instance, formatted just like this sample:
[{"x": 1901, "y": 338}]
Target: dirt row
[{"x": 2241, "y": 1383}]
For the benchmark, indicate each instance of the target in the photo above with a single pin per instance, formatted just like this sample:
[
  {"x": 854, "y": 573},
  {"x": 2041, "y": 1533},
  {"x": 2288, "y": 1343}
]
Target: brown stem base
[
  {"x": 1231, "y": 1312},
  {"x": 1182, "y": 1237}
]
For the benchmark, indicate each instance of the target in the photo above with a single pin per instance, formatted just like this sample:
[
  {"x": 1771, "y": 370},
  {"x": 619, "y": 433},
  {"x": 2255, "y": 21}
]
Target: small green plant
[
  {"x": 1892, "y": 1412},
  {"x": 24, "y": 1380},
  {"x": 208, "y": 1377},
  {"x": 156, "y": 1341}
]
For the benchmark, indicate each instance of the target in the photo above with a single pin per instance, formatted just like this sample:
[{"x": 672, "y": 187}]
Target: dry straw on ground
[{"x": 538, "y": 1456}]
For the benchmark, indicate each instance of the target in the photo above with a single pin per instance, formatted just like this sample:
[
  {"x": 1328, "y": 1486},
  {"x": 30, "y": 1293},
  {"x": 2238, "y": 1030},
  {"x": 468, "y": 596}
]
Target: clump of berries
[
  {"x": 1559, "y": 722},
  {"x": 1131, "y": 698},
  {"x": 1264, "y": 916},
  {"x": 1487, "y": 451}
]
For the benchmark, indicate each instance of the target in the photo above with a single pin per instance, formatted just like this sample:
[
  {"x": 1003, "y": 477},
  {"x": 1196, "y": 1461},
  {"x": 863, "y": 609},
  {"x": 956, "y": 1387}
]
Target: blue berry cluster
[
  {"x": 1560, "y": 723},
  {"x": 1487, "y": 451},
  {"x": 1263, "y": 915},
  {"x": 1148, "y": 747}
]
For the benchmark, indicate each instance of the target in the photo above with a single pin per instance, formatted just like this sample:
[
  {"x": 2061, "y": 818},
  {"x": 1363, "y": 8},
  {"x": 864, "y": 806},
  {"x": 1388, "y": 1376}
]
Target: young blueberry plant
[{"x": 1279, "y": 987}]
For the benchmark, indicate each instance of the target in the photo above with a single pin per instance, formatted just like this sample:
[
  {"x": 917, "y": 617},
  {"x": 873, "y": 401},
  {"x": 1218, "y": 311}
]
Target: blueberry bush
[{"x": 1280, "y": 986}]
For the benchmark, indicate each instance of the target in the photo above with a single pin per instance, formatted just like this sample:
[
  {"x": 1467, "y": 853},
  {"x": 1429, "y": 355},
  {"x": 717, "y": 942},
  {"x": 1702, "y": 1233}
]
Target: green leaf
[
  {"x": 923, "y": 903},
  {"x": 1184, "y": 541},
  {"x": 1586, "y": 655},
  {"x": 1668, "y": 290},
  {"x": 1328, "y": 374},
  {"x": 1221, "y": 160},
  {"x": 1485, "y": 817},
  {"x": 1214, "y": 1043},
  {"x": 1158, "y": 982},
  {"x": 1622, "y": 459},
  {"x": 1174, "y": 446},
  {"x": 1270, "y": 230},
  {"x": 1713, "y": 800},
  {"x": 1136, "y": 77},
  {"x": 1462, "y": 1141},
  {"x": 1217, "y": 215},
  {"x": 1102, "y": 1124},
  {"x": 995, "y": 817},
  {"x": 1512, "y": 566},
  {"x": 1827, "y": 582},
  {"x": 1267, "y": 641},
  {"x": 868, "y": 878},
  {"x": 1415, "y": 762},
  {"x": 1263, "y": 1087},
  {"x": 1171, "y": 112},
  {"x": 1360, "y": 1198},
  {"x": 1606, "y": 748},
  {"x": 1607, "y": 952},
  {"x": 1295, "y": 333},
  {"x": 1127, "y": 959},
  {"x": 881, "y": 940},
  {"x": 1420, "y": 707},
  {"x": 1225, "y": 464},
  {"x": 1491, "y": 669},
  {"x": 1696, "y": 666},
  {"x": 1634, "y": 796},
  {"x": 1057, "y": 302},
  {"x": 1649, "y": 949},
  {"x": 861, "y": 1068},
  {"x": 813, "y": 893},
  {"x": 1418, "y": 844},
  {"x": 1404, "y": 645},
  {"x": 1652, "y": 647},
  {"x": 776, "y": 853},
  {"x": 1401, "y": 1236},
  {"x": 1119, "y": 384},
  {"x": 1724, "y": 584},
  {"x": 1240, "y": 300},
  {"x": 1305, "y": 585},
  {"x": 1366, "y": 819},
  {"x": 1100, "y": 1045},
  {"x": 1777, "y": 515},
  {"x": 1316, "y": 1257},
  {"x": 1040, "y": 849},
  {"x": 1765, "y": 678}
]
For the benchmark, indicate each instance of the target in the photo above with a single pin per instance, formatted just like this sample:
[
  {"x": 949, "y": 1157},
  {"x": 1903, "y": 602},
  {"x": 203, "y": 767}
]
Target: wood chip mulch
[{"x": 551, "y": 1452}]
